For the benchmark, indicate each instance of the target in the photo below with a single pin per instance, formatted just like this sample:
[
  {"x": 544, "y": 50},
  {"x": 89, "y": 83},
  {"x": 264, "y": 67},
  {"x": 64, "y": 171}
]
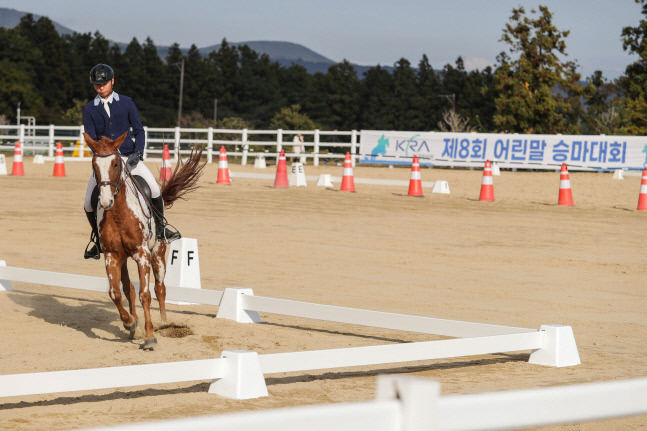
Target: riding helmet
[{"x": 101, "y": 73}]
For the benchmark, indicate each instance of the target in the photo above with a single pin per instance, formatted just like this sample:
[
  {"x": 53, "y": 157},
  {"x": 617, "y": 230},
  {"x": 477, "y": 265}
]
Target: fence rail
[
  {"x": 415, "y": 404},
  {"x": 243, "y": 143}
]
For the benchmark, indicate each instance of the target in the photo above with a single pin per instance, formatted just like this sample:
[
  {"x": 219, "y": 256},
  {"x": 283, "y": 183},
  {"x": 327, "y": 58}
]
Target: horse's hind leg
[
  {"x": 143, "y": 259},
  {"x": 158, "y": 261},
  {"x": 113, "y": 270},
  {"x": 129, "y": 291}
]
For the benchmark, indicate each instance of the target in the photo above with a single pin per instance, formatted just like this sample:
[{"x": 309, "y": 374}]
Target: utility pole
[
  {"x": 179, "y": 111},
  {"x": 215, "y": 111}
]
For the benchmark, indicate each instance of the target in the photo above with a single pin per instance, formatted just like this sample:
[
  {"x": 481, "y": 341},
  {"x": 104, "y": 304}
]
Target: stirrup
[
  {"x": 168, "y": 235},
  {"x": 93, "y": 253}
]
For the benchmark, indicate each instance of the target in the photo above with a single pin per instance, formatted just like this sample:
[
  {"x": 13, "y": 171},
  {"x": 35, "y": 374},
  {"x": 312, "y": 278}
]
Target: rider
[{"x": 110, "y": 114}]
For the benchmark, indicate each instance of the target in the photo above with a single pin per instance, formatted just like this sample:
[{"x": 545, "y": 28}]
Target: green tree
[
  {"x": 405, "y": 94},
  {"x": 633, "y": 82},
  {"x": 538, "y": 91},
  {"x": 342, "y": 96},
  {"x": 376, "y": 93},
  {"x": 291, "y": 118},
  {"x": 429, "y": 89}
]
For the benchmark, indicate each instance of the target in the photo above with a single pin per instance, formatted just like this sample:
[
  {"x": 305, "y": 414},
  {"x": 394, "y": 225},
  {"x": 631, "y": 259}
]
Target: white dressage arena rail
[
  {"x": 415, "y": 404},
  {"x": 551, "y": 345}
]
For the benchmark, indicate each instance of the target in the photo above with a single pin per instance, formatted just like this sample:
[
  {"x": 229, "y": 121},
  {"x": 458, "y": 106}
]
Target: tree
[
  {"x": 633, "y": 82},
  {"x": 538, "y": 91},
  {"x": 342, "y": 89},
  {"x": 291, "y": 118},
  {"x": 376, "y": 93}
]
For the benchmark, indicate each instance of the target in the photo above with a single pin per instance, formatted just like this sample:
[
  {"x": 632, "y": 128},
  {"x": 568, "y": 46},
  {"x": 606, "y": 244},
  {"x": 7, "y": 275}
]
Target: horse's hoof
[
  {"x": 134, "y": 330},
  {"x": 149, "y": 344}
]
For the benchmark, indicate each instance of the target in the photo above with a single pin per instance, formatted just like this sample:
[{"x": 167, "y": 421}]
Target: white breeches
[{"x": 140, "y": 170}]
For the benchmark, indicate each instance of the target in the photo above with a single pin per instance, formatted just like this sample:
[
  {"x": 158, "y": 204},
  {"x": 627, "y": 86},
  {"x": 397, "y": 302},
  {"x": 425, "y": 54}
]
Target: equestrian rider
[{"x": 110, "y": 114}]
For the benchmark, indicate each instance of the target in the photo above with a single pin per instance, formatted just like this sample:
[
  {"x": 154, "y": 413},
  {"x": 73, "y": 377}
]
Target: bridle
[{"x": 120, "y": 180}]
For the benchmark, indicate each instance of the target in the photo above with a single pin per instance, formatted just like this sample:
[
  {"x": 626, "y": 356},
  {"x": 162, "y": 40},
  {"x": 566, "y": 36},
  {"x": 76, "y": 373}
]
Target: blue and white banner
[{"x": 595, "y": 152}]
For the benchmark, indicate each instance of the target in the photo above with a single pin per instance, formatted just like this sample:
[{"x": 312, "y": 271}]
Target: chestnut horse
[{"x": 127, "y": 230}]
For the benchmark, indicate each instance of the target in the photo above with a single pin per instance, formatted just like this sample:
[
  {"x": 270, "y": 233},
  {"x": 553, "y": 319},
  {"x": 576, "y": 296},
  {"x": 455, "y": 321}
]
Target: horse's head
[{"x": 107, "y": 167}]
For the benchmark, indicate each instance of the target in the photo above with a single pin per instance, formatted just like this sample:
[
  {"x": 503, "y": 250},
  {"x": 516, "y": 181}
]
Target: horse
[{"x": 127, "y": 231}]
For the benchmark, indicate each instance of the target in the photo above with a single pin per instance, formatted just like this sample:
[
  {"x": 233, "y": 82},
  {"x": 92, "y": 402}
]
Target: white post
[
  {"x": 315, "y": 161},
  {"x": 353, "y": 147},
  {"x": 231, "y": 306},
  {"x": 279, "y": 144},
  {"x": 210, "y": 145},
  {"x": 50, "y": 143},
  {"x": 243, "y": 161},
  {"x": 243, "y": 377},
  {"x": 176, "y": 150},
  {"x": 419, "y": 399},
  {"x": 21, "y": 139},
  {"x": 81, "y": 142}
]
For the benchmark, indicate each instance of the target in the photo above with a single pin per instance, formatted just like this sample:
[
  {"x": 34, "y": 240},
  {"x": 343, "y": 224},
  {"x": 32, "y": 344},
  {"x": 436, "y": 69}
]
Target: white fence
[
  {"x": 245, "y": 143},
  {"x": 552, "y": 345},
  {"x": 414, "y": 404},
  {"x": 402, "y": 404}
]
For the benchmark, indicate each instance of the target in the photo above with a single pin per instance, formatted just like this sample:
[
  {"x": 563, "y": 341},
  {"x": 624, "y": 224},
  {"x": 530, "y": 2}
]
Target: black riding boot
[
  {"x": 163, "y": 233},
  {"x": 95, "y": 251}
]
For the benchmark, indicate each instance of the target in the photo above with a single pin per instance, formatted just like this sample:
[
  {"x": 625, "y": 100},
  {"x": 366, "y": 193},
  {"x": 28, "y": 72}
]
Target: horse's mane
[{"x": 184, "y": 178}]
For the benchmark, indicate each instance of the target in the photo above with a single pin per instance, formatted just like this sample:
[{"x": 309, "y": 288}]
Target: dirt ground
[{"x": 520, "y": 261}]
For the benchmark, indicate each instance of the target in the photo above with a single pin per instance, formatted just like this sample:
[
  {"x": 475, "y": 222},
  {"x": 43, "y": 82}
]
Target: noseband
[{"x": 117, "y": 185}]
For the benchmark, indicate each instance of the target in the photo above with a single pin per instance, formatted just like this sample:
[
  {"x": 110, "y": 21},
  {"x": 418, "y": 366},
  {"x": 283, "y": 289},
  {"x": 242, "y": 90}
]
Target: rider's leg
[
  {"x": 95, "y": 251},
  {"x": 158, "y": 203}
]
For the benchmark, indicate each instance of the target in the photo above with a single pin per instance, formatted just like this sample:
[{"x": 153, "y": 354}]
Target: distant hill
[
  {"x": 284, "y": 53},
  {"x": 9, "y": 18}
]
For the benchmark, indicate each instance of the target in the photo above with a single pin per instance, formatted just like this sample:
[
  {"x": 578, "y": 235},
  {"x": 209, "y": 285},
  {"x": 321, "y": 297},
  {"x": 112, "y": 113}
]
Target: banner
[{"x": 595, "y": 152}]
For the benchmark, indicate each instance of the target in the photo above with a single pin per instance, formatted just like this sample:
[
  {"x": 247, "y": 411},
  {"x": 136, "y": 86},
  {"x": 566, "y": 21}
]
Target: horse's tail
[{"x": 184, "y": 178}]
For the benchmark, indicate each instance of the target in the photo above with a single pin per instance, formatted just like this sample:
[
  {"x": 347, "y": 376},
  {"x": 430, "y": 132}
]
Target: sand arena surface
[{"x": 520, "y": 261}]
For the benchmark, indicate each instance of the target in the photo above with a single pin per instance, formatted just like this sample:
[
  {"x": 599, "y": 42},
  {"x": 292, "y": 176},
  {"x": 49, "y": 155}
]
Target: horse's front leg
[
  {"x": 158, "y": 262},
  {"x": 113, "y": 270},
  {"x": 143, "y": 259},
  {"x": 129, "y": 291}
]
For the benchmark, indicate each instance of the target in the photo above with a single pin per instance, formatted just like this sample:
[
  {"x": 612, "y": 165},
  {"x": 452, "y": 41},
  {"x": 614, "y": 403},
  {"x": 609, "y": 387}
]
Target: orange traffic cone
[
  {"x": 281, "y": 179},
  {"x": 223, "y": 168},
  {"x": 347, "y": 181},
  {"x": 17, "y": 168},
  {"x": 165, "y": 171},
  {"x": 565, "y": 193},
  {"x": 642, "y": 198},
  {"x": 59, "y": 161},
  {"x": 415, "y": 183},
  {"x": 487, "y": 185}
]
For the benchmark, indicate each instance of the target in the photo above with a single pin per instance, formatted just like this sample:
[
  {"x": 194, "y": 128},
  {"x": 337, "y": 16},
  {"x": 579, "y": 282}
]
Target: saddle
[{"x": 143, "y": 185}]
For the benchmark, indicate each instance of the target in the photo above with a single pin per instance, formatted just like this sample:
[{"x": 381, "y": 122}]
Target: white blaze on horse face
[{"x": 106, "y": 198}]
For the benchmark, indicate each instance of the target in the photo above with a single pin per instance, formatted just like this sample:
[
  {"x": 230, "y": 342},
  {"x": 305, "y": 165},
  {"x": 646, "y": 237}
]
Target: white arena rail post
[
  {"x": 279, "y": 143},
  {"x": 210, "y": 145},
  {"x": 317, "y": 138},
  {"x": 50, "y": 141},
  {"x": 176, "y": 141},
  {"x": 245, "y": 145}
]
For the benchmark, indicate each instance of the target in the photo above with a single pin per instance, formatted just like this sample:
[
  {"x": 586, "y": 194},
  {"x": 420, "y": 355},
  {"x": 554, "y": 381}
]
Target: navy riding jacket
[{"x": 123, "y": 117}]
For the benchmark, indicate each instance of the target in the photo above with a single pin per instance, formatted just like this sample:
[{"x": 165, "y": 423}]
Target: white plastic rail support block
[
  {"x": 419, "y": 399},
  {"x": 559, "y": 348},
  {"x": 231, "y": 306},
  {"x": 5, "y": 285},
  {"x": 441, "y": 187},
  {"x": 618, "y": 174},
  {"x": 243, "y": 377}
]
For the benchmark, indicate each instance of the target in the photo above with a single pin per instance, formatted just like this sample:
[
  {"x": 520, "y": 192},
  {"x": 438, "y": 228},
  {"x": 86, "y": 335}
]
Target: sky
[{"x": 367, "y": 32}]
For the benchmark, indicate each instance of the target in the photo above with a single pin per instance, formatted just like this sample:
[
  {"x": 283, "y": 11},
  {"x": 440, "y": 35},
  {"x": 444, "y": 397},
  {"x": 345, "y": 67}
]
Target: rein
[{"x": 134, "y": 186}]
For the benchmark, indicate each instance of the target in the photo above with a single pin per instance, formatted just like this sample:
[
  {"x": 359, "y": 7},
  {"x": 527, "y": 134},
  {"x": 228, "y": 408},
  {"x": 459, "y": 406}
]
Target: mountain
[
  {"x": 284, "y": 53},
  {"x": 9, "y": 18}
]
